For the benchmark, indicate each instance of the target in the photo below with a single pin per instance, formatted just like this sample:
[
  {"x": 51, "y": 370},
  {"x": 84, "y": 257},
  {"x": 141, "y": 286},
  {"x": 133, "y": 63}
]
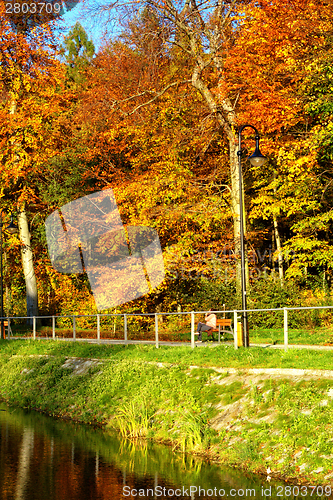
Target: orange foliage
[
  {"x": 269, "y": 60},
  {"x": 33, "y": 96}
]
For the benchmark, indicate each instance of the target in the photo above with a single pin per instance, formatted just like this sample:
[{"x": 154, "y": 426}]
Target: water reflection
[
  {"x": 26, "y": 451},
  {"x": 43, "y": 458}
]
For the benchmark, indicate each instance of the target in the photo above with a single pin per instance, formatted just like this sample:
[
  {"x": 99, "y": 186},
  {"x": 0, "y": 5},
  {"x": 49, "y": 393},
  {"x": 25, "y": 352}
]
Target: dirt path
[{"x": 292, "y": 373}]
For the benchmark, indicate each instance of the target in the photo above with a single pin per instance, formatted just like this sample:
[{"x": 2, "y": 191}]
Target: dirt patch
[{"x": 81, "y": 366}]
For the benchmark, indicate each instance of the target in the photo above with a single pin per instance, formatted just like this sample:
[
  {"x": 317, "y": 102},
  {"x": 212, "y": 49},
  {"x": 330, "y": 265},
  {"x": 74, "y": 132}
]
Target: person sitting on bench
[{"x": 208, "y": 326}]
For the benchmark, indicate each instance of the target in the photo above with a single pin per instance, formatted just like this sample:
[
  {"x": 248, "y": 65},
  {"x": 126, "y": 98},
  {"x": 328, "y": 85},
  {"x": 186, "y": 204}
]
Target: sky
[{"x": 93, "y": 27}]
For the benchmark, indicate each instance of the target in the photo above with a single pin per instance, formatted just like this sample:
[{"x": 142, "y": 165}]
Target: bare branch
[
  {"x": 159, "y": 94},
  {"x": 234, "y": 106},
  {"x": 198, "y": 15},
  {"x": 228, "y": 14},
  {"x": 225, "y": 186}
]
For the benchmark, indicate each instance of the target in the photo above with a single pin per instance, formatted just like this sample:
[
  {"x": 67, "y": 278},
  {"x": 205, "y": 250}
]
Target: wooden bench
[{"x": 221, "y": 325}]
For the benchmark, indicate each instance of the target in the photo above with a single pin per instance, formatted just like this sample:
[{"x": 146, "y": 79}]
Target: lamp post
[
  {"x": 11, "y": 229},
  {"x": 256, "y": 159}
]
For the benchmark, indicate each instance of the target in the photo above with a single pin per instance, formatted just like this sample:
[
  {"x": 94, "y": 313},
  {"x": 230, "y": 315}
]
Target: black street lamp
[
  {"x": 11, "y": 229},
  {"x": 256, "y": 159}
]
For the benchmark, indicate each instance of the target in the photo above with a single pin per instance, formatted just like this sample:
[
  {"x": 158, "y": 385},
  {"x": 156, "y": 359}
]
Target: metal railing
[{"x": 235, "y": 314}]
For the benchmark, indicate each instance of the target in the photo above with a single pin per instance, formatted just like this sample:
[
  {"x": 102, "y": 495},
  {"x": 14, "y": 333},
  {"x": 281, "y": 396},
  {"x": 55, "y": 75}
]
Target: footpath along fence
[{"x": 155, "y": 318}]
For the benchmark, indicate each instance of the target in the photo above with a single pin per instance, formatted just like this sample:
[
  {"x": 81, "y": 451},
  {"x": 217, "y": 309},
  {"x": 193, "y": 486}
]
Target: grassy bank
[{"x": 252, "y": 421}]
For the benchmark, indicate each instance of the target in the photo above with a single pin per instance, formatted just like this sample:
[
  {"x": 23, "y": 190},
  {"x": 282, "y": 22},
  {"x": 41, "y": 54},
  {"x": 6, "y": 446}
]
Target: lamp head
[
  {"x": 257, "y": 159},
  {"x": 11, "y": 229}
]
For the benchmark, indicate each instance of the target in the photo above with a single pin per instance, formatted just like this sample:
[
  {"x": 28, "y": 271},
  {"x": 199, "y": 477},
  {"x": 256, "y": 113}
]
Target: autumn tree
[
  {"x": 78, "y": 52},
  {"x": 159, "y": 160},
  {"x": 273, "y": 67},
  {"x": 203, "y": 33},
  {"x": 31, "y": 78},
  {"x": 155, "y": 116}
]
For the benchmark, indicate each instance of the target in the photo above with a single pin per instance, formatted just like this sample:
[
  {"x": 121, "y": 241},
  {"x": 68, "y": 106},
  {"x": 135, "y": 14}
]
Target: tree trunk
[
  {"x": 278, "y": 249},
  {"x": 278, "y": 243},
  {"x": 234, "y": 174},
  {"x": 227, "y": 119},
  {"x": 26, "y": 252},
  {"x": 28, "y": 264}
]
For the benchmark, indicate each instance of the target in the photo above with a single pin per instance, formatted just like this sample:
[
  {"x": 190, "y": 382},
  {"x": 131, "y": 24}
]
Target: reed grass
[{"x": 133, "y": 419}]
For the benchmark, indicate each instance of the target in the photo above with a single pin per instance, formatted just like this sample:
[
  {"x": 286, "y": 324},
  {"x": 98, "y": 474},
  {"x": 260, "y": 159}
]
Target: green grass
[
  {"x": 205, "y": 355},
  {"x": 105, "y": 333},
  {"x": 302, "y": 336},
  {"x": 302, "y": 431}
]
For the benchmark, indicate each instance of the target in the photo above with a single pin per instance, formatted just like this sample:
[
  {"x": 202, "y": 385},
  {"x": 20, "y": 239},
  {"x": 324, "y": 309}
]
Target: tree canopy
[{"x": 154, "y": 115}]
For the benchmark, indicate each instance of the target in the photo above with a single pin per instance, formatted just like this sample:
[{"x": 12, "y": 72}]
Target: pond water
[{"x": 46, "y": 459}]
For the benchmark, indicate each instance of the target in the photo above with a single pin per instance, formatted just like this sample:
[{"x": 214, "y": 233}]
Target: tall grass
[
  {"x": 133, "y": 419},
  {"x": 191, "y": 432}
]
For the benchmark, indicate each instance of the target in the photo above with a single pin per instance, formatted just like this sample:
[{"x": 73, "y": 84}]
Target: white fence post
[
  {"x": 53, "y": 327},
  {"x": 192, "y": 330},
  {"x": 235, "y": 330},
  {"x": 74, "y": 328},
  {"x": 156, "y": 330},
  {"x": 98, "y": 329},
  {"x": 125, "y": 328},
  {"x": 285, "y": 327},
  {"x": 34, "y": 327}
]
